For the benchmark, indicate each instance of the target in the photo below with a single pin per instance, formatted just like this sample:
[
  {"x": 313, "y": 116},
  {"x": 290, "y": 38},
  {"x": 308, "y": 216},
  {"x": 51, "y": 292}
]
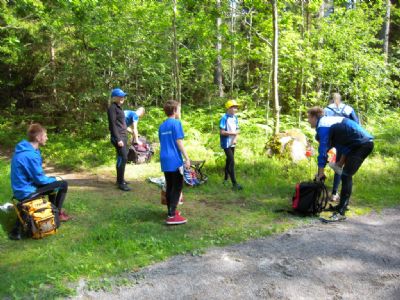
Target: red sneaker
[
  {"x": 63, "y": 216},
  {"x": 178, "y": 219},
  {"x": 177, "y": 213}
]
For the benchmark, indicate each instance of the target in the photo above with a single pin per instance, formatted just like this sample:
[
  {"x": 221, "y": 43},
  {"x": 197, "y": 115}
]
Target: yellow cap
[{"x": 231, "y": 103}]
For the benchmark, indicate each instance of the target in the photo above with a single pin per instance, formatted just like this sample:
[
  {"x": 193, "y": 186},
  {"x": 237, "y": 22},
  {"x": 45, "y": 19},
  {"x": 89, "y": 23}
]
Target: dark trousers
[
  {"x": 230, "y": 164},
  {"x": 336, "y": 177},
  {"x": 122, "y": 157},
  {"x": 354, "y": 160},
  {"x": 174, "y": 182},
  {"x": 57, "y": 191}
]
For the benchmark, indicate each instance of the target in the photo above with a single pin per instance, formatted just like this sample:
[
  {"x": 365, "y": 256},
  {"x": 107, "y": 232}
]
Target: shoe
[
  {"x": 124, "y": 182},
  {"x": 63, "y": 217},
  {"x": 335, "y": 197},
  {"x": 337, "y": 217},
  {"x": 176, "y": 220},
  {"x": 338, "y": 170},
  {"x": 124, "y": 187},
  {"x": 15, "y": 235},
  {"x": 237, "y": 187},
  {"x": 177, "y": 213}
]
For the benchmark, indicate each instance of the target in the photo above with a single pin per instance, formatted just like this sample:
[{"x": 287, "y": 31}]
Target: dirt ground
[{"x": 355, "y": 259}]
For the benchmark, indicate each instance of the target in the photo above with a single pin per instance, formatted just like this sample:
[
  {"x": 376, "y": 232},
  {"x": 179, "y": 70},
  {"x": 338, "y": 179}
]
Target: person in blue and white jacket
[
  {"x": 353, "y": 141},
  {"x": 229, "y": 131},
  {"x": 337, "y": 108}
]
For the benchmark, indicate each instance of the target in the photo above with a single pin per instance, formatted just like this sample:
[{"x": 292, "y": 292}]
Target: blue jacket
[
  {"x": 26, "y": 171},
  {"x": 341, "y": 133},
  {"x": 348, "y": 135}
]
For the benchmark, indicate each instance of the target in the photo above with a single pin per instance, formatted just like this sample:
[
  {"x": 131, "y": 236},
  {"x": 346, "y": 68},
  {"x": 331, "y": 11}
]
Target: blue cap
[{"x": 118, "y": 93}]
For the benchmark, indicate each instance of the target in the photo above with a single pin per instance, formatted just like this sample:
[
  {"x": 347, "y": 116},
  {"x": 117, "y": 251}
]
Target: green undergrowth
[{"x": 114, "y": 232}]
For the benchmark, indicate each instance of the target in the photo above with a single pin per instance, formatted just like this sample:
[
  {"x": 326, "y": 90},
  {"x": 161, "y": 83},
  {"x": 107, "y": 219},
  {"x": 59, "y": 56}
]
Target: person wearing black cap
[{"x": 117, "y": 126}]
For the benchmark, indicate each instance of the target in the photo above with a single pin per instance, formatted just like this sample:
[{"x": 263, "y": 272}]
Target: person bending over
[{"x": 353, "y": 141}]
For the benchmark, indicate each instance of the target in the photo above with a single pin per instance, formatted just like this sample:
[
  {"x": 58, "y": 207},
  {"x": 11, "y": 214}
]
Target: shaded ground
[{"x": 355, "y": 259}]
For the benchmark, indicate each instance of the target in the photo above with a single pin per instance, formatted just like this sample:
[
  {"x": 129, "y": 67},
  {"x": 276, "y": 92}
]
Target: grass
[{"x": 115, "y": 232}]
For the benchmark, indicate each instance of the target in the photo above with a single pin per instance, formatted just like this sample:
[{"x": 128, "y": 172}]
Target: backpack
[
  {"x": 310, "y": 198},
  {"x": 39, "y": 217},
  {"x": 139, "y": 154},
  {"x": 340, "y": 113},
  {"x": 194, "y": 175}
]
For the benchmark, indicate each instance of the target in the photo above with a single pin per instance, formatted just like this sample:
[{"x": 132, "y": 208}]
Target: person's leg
[
  {"x": 228, "y": 155},
  {"x": 232, "y": 167},
  {"x": 354, "y": 161},
  {"x": 169, "y": 184},
  {"x": 174, "y": 189},
  {"x": 336, "y": 177},
  {"x": 122, "y": 157},
  {"x": 56, "y": 191},
  {"x": 230, "y": 164}
]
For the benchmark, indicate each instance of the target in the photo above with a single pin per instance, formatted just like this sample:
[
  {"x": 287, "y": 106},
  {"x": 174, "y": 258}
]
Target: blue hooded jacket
[
  {"x": 26, "y": 171},
  {"x": 339, "y": 132}
]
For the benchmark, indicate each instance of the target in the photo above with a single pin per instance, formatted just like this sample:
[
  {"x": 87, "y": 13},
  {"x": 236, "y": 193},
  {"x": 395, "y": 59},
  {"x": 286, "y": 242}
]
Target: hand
[
  {"x": 120, "y": 144},
  {"x": 320, "y": 177},
  {"x": 187, "y": 164}
]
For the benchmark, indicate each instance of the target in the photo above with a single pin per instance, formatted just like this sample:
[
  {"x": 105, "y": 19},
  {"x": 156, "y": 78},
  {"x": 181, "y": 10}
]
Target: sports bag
[
  {"x": 310, "y": 198},
  {"x": 194, "y": 175},
  {"x": 140, "y": 154},
  {"x": 39, "y": 217}
]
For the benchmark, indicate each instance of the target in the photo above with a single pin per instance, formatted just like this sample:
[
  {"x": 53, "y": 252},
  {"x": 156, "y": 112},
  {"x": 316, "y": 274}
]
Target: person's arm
[
  {"x": 179, "y": 142},
  {"x": 35, "y": 170},
  {"x": 354, "y": 117},
  {"x": 136, "y": 133},
  {"x": 227, "y": 133},
  {"x": 112, "y": 121},
  {"x": 323, "y": 134}
]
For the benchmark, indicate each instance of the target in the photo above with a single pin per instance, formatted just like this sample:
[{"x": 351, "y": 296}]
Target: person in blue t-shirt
[
  {"x": 229, "y": 131},
  {"x": 348, "y": 137},
  {"x": 171, "y": 137},
  {"x": 132, "y": 120},
  {"x": 337, "y": 108}
]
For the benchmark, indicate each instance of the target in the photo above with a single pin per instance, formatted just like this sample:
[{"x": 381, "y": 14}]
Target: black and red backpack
[{"x": 310, "y": 198}]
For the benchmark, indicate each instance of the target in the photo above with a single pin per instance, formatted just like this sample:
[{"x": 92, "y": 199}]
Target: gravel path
[{"x": 355, "y": 259}]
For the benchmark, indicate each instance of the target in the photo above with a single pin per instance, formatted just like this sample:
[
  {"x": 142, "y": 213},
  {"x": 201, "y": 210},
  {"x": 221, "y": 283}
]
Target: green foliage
[{"x": 114, "y": 232}]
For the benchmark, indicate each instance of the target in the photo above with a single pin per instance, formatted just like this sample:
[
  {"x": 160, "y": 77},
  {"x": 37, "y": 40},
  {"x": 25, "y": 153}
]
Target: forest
[{"x": 60, "y": 60}]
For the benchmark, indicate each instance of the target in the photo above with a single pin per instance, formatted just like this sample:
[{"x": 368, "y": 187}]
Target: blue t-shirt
[
  {"x": 170, "y": 155},
  {"x": 130, "y": 117},
  {"x": 228, "y": 123}
]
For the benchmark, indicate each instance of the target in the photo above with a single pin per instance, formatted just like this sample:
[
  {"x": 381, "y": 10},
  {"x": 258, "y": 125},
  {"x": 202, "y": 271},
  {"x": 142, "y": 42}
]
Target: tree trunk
[
  {"x": 386, "y": 31},
  {"x": 277, "y": 107},
  {"x": 233, "y": 14},
  {"x": 53, "y": 69},
  {"x": 250, "y": 40},
  {"x": 218, "y": 71},
  {"x": 175, "y": 54}
]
